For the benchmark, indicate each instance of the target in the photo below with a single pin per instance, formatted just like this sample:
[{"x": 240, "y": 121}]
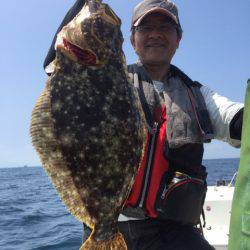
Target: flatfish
[{"x": 87, "y": 126}]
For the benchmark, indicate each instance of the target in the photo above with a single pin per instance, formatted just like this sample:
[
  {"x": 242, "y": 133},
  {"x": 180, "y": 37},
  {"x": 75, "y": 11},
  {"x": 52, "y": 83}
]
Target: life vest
[
  {"x": 151, "y": 170},
  {"x": 158, "y": 158}
]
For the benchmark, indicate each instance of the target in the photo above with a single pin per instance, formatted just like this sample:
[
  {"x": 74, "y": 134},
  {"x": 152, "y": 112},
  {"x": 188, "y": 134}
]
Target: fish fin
[
  {"x": 117, "y": 242},
  {"x": 46, "y": 144}
]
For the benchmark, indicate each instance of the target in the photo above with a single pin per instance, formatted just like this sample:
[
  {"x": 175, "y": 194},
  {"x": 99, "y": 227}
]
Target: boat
[{"x": 217, "y": 209}]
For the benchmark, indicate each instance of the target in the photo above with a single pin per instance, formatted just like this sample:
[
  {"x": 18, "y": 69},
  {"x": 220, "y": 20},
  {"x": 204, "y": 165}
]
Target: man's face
[{"x": 156, "y": 40}]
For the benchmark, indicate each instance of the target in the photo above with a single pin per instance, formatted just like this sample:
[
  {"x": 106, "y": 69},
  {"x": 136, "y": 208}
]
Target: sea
[{"x": 32, "y": 217}]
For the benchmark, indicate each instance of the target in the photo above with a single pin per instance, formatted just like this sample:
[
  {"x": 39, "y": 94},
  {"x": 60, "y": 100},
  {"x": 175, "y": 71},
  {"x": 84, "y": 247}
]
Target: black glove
[
  {"x": 74, "y": 10},
  {"x": 236, "y": 125}
]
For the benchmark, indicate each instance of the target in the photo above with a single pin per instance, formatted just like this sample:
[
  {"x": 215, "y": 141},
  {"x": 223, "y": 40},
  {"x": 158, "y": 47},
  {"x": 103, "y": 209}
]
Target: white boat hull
[{"x": 217, "y": 210}]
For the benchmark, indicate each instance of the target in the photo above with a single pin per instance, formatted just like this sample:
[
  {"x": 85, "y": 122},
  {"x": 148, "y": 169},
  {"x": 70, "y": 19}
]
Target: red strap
[{"x": 160, "y": 166}]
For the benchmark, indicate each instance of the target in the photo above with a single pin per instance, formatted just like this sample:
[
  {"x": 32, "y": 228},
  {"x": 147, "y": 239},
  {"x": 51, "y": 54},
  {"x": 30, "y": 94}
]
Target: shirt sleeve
[{"x": 221, "y": 111}]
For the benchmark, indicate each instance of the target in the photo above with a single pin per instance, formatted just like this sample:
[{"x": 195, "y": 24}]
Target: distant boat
[{"x": 25, "y": 166}]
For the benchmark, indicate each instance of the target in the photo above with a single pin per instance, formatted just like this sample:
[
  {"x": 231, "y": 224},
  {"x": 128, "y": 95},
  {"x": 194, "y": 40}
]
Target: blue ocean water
[{"x": 32, "y": 216}]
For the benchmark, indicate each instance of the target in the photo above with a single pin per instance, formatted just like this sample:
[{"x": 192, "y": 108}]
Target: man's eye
[
  {"x": 147, "y": 28},
  {"x": 144, "y": 28},
  {"x": 162, "y": 28}
]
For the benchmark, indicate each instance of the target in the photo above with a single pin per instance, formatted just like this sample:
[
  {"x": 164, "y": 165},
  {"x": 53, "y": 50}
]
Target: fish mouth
[{"x": 83, "y": 56}]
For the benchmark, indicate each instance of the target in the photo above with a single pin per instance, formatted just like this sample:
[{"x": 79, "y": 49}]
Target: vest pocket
[{"x": 181, "y": 199}]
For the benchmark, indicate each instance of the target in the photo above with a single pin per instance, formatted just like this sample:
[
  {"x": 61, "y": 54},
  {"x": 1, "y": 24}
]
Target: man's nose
[{"x": 155, "y": 33}]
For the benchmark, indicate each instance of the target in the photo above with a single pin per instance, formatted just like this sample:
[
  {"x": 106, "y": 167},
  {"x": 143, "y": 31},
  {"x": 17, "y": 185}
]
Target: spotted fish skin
[{"x": 88, "y": 127}]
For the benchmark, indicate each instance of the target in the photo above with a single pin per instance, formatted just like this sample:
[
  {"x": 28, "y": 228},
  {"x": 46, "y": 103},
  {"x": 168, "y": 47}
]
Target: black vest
[{"x": 188, "y": 156}]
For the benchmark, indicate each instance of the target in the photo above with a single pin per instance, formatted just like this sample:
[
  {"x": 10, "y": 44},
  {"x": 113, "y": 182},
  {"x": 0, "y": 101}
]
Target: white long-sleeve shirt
[{"x": 221, "y": 111}]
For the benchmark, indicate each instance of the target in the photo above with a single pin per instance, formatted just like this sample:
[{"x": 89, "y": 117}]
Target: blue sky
[{"x": 214, "y": 50}]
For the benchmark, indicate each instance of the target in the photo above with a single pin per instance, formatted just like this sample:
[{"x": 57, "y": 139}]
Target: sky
[{"x": 214, "y": 51}]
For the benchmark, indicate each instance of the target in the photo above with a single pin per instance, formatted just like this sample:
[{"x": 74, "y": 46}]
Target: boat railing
[{"x": 231, "y": 183}]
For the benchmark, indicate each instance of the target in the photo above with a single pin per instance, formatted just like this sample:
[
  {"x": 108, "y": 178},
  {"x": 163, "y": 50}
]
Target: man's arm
[
  {"x": 69, "y": 16},
  {"x": 226, "y": 116}
]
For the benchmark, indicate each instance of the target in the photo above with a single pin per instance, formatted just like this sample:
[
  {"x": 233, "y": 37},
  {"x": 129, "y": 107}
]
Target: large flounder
[{"x": 87, "y": 125}]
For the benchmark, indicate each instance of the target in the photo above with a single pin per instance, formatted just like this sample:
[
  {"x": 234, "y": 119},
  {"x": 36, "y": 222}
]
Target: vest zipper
[{"x": 149, "y": 164}]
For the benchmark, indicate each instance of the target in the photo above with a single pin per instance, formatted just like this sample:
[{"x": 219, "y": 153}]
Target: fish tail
[{"x": 117, "y": 242}]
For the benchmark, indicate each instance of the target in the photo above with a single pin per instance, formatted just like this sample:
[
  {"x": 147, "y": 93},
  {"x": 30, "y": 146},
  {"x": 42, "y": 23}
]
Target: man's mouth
[{"x": 155, "y": 45}]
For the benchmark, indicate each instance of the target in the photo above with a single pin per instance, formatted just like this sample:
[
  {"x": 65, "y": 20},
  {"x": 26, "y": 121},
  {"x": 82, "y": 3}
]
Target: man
[{"x": 169, "y": 190}]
